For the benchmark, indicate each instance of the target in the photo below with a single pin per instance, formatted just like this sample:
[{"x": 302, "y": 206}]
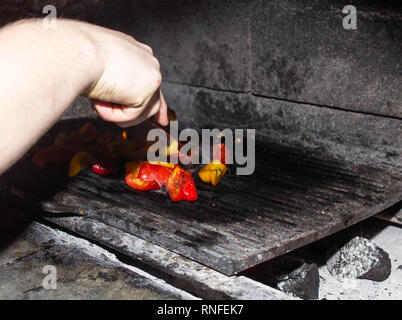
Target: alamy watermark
[
  {"x": 50, "y": 21},
  {"x": 239, "y": 146},
  {"x": 50, "y": 280},
  {"x": 349, "y": 21}
]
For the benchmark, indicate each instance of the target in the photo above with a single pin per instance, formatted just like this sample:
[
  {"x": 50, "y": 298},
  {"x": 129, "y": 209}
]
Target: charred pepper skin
[
  {"x": 104, "y": 167},
  {"x": 154, "y": 172},
  {"x": 139, "y": 184},
  {"x": 132, "y": 180},
  {"x": 213, "y": 172},
  {"x": 216, "y": 169},
  {"x": 145, "y": 176},
  {"x": 140, "y": 175},
  {"x": 181, "y": 186}
]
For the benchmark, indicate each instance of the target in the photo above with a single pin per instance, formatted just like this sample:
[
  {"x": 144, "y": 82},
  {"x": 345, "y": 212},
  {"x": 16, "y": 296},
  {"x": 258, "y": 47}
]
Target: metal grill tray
[{"x": 293, "y": 198}]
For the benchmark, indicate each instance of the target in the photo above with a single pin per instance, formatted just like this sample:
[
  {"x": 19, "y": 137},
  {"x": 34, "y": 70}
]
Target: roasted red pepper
[
  {"x": 132, "y": 170},
  {"x": 181, "y": 185},
  {"x": 104, "y": 167},
  {"x": 142, "y": 175},
  {"x": 139, "y": 184},
  {"x": 154, "y": 172}
]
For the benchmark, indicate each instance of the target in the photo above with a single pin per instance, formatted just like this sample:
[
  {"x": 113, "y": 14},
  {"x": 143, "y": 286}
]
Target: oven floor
[
  {"x": 389, "y": 238},
  {"x": 30, "y": 253},
  {"x": 293, "y": 198}
]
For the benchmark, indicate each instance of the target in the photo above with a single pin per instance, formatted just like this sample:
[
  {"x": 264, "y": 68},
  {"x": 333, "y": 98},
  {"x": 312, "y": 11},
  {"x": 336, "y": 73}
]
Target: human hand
[{"x": 130, "y": 79}]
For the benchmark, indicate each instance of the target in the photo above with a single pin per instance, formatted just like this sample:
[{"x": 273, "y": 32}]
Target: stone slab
[
  {"x": 176, "y": 269},
  {"x": 83, "y": 270},
  {"x": 295, "y": 196}
]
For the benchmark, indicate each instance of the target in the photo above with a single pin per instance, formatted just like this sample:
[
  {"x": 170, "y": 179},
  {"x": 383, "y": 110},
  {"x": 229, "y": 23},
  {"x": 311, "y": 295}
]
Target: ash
[
  {"x": 345, "y": 261},
  {"x": 350, "y": 288}
]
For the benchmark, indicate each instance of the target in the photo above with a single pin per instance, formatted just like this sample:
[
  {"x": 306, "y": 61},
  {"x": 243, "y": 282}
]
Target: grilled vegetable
[
  {"x": 172, "y": 149},
  {"x": 139, "y": 184},
  {"x": 132, "y": 170},
  {"x": 181, "y": 185},
  {"x": 154, "y": 172},
  {"x": 213, "y": 172},
  {"x": 165, "y": 164},
  {"x": 133, "y": 167},
  {"x": 104, "y": 167},
  {"x": 80, "y": 161},
  {"x": 142, "y": 175}
]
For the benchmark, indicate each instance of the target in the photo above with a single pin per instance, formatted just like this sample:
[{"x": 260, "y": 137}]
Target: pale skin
[{"x": 44, "y": 70}]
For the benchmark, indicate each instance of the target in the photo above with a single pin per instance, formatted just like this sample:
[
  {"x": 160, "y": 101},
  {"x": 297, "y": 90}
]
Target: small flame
[{"x": 124, "y": 134}]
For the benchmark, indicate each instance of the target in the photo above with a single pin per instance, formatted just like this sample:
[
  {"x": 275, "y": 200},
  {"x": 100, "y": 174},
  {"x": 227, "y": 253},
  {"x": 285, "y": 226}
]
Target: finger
[
  {"x": 136, "y": 42},
  {"x": 151, "y": 109},
  {"x": 146, "y": 47},
  {"x": 116, "y": 113},
  {"x": 161, "y": 116}
]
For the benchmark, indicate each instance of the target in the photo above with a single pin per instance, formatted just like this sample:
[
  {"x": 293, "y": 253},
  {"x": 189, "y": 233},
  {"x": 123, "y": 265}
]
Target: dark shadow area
[{"x": 12, "y": 225}]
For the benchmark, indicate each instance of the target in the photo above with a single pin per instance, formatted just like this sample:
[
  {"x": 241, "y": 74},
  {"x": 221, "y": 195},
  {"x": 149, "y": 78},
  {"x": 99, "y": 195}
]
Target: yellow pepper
[
  {"x": 81, "y": 160},
  {"x": 167, "y": 151},
  {"x": 161, "y": 163},
  {"x": 134, "y": 166},
  {"x": 213, "y": 172},
  {"x": 173, "y": 148}
]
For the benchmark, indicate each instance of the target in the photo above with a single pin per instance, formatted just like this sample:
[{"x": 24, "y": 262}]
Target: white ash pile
[
  {"x": 360, "y": 259},
  {"x": 361, "y": 262}
]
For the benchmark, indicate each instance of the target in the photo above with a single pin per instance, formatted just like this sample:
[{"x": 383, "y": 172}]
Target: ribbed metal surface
[{"x": 293, "y": 198}]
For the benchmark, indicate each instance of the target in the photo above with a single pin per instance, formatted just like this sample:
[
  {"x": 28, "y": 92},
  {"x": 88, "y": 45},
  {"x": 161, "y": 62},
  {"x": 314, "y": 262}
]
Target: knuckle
[
  {"x": 157, "y": 63},
  {"x": 147, "y": 47},
  {"x": 156, "y": 78},
  {"x": 137, "y": 101},
  {"x": 130, "y": 114},
  {"x": 130, "y": 37},
  {"x": 158, "y": 75}
]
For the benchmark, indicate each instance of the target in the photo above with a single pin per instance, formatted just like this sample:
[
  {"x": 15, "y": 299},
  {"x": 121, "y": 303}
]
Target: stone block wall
[{"x": 286, "y": 67}]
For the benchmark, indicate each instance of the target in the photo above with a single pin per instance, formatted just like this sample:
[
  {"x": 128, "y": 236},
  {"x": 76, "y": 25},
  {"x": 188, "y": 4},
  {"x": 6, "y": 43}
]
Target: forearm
[{"x": 42, "y": 71}]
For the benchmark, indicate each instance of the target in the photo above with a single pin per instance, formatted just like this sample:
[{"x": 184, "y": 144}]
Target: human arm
[{"x": 43, "y": 70}]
